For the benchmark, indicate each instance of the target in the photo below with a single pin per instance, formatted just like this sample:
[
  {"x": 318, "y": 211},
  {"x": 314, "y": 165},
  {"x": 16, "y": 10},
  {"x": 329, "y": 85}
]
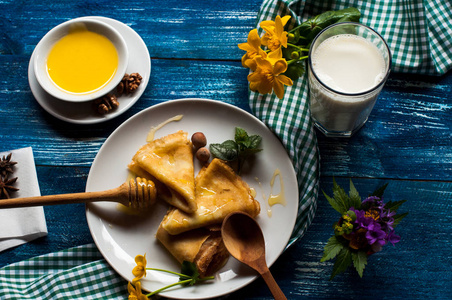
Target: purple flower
[
  {"x": 387, "y": 220},
  {"x": 375, "y": 234},
  {"x": 392, "y": 237}
]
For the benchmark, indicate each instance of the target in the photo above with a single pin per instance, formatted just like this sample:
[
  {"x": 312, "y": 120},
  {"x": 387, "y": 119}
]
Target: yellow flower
[
  {"x": 135, "y": 292},
  {"x": 140, "y": 269},
  {"x": 275, "y": 36},
  {"x": 268, "y": 77},
  {"x": 252, "y": 48}
]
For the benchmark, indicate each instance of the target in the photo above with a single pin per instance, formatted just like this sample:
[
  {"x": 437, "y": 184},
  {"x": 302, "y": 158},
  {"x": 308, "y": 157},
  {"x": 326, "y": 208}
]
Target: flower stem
[
  {"x": 295, "y": 60},
  {"x": 168, "y": 286},
  {"x": 171, "y": 272},
  {"x": 298, "y": 47}
]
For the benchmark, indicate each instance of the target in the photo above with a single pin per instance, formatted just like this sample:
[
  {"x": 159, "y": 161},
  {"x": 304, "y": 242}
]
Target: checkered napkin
[{"x": 419, "y": 34}]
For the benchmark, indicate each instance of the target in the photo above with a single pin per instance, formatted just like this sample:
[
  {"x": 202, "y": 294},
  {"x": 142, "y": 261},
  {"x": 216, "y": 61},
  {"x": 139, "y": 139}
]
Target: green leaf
[
  {"x": 394, "y": 205},
  {"x": 355, "y": 199},
  {"x": 248, "y": 152},
  {"x": 305, "y": 33},
  {"x": 398, "y": 218},
  {"x": 255, "y": 141},
  {"x": 380, "y": 191},
  {"x": 241, "y": 136},
  {"x": 226, "y": 151},
  {"x": 359, "y": 261},
  {"x": 343, "y": 261},
  {"x": 334, "y": 204},
  {"x": 341, "y": 197},
  {"x": 295, "y": 69},
  {"x": 332, "y": 248},
  {"x": 189, "y": 269}
]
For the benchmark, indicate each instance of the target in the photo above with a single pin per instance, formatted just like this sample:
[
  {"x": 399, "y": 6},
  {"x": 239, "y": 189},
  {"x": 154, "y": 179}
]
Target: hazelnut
[
  {"x": 198, "y": 139},
  {"x": 203, "y": 154}
]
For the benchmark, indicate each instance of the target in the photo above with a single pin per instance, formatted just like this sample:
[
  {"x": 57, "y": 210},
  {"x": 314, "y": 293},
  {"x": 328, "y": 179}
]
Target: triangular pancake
[
  {"x": 170, "y": 160},
  {"x": 219, "y": 191}
]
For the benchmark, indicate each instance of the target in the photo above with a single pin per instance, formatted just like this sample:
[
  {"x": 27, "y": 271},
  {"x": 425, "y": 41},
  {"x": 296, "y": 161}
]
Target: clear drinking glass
[{"x": 341, "y": 89}]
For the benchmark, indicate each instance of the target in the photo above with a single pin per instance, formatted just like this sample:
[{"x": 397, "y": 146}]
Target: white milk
[{"x": 347, "y": 64}]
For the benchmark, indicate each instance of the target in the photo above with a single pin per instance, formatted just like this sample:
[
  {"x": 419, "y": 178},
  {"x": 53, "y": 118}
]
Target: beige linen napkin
[{"x": 21, "y": 225}]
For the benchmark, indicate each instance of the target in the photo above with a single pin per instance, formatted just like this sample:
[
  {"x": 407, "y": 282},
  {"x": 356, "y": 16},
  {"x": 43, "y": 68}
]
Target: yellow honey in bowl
[{"x": 82, "y": 62}]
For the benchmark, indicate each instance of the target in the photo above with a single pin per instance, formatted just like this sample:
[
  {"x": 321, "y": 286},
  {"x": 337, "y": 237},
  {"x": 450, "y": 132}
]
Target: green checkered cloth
[
  {"x": 75, "y": 274},
  {"x": 419, "y": 34}
]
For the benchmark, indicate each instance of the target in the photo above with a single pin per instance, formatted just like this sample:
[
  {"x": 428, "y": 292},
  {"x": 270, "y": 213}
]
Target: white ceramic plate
[
  {"x": 121, "y": 236},
  {"x": 84, "y": 113}
]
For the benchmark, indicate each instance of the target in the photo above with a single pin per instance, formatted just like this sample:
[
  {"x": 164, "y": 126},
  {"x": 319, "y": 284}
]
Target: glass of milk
[{"x": 348, "y": 65}]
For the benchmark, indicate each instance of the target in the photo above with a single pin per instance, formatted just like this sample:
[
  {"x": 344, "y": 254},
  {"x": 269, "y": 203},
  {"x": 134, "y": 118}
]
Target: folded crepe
[
  {"x": 218, "y": 192},
  {"x": 204, "y": 247},
  {"x": 170, "y": 161}
]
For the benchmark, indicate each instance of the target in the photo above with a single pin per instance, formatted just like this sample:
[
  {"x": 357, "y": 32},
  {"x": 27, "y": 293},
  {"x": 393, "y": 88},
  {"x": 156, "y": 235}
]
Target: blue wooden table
[{"x": 193, "y": 47}]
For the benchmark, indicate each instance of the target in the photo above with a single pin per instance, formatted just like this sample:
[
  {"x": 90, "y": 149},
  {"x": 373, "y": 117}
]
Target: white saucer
[{"x": 84, "y": 113}]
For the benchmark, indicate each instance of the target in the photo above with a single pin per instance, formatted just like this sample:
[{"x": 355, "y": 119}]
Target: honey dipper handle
[{"x": 119, "y": 194}]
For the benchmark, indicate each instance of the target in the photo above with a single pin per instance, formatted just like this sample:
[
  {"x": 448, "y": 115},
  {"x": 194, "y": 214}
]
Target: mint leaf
[
  {"x": 241, "y": 136},
  {"x": 343, "y": 261},
  {"x": 255, "y": 141},
  {"x": 332, "y": 248},
  {"x": 237, "y": 150},
  {"x": 226, "y": 151},
  {"x": 359, "y": 261}
]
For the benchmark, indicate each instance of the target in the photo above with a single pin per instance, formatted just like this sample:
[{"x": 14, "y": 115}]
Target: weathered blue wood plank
[{"x": 176, "y": 29}]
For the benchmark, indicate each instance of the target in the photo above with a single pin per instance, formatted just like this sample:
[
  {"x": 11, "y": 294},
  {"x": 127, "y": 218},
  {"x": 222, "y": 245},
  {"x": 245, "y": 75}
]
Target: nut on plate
[
  {"x": 198, "y": 139},
  {"x": 203, "y": 154},
  {"x": 129, "y": 84},
  {"x": 106, "y": 103}
]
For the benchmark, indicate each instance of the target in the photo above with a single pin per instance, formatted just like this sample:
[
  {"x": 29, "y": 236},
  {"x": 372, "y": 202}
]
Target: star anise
[
  {"x": 6, "y": 186},
  {"x": 6, "y": 165}
]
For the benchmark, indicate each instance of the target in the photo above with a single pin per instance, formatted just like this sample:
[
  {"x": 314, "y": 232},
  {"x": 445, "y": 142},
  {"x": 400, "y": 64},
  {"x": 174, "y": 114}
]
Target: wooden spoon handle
[
  {"x": 272, "y": 285},
  {"x": 119, "y": 194}
]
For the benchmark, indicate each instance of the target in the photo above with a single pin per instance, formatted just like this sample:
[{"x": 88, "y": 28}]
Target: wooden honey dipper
[{"x": 138, "y": 193}]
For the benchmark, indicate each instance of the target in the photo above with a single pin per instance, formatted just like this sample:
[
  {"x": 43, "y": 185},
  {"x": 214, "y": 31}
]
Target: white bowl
[{"x": 45, "y": 45}]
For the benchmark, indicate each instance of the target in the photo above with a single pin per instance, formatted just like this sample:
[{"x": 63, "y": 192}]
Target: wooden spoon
[
  {"x": 138, "y": 193},
  {"x": 244, "y": 240}
]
